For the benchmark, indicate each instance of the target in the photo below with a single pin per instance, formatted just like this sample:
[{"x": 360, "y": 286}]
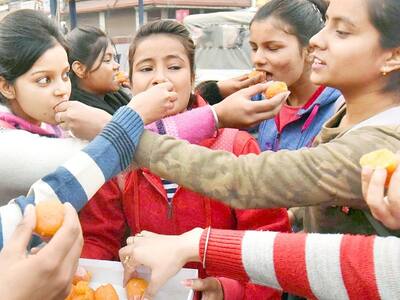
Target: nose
[
  {"x": 259, "y": 58},
  {"x": 116, "y": 65},
  {"x": 318, "y": 40},
  {"x": 63, "y": 88},
  {"x": 159, "y": 77}
]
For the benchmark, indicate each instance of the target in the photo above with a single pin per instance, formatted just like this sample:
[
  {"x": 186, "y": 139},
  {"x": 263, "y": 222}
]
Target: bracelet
[
  {"x": 205, "y": 247},
  {"x": 216, "y": 120}
]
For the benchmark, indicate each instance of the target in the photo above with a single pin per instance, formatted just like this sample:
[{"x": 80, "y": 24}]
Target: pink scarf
[{"x": 9, "y": 120}]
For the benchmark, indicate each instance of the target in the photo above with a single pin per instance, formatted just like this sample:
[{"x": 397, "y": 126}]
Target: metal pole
[
  {"x": 72, "y": 14},
  {"x": 141, "y": 12},
  {"x": 53, "y": 8}
]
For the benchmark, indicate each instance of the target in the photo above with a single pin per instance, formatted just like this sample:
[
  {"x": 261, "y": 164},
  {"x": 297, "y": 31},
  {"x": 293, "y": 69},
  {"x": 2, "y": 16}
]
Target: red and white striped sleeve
[{"x": 316, "y": 266}]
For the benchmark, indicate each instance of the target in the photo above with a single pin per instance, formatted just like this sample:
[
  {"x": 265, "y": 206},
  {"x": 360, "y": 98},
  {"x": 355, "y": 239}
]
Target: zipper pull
[{"x": 170, "y": 211}]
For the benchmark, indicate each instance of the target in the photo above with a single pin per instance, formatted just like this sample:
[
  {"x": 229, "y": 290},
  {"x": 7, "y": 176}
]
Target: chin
[{"x": 318, "y": 79}]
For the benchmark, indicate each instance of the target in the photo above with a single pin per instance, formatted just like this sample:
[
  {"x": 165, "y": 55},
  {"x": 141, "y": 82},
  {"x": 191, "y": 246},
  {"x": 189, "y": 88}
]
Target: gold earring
[{"x": 384, "y": 73}]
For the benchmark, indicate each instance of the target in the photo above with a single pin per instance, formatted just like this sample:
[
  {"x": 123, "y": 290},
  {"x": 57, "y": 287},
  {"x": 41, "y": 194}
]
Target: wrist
[
  {"x": 190, "y": 244},
  {"x": 217, "y": 112},
  {"x": 133, "y": 105}
]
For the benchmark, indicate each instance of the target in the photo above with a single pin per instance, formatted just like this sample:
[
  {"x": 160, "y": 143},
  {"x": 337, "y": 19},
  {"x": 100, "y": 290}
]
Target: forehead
[
  {"x": 355, "y": 11},
  {"x": 52, "y": 58},
  {"x": 271, "y": 29},
  {"x": 160, "y": 46}
]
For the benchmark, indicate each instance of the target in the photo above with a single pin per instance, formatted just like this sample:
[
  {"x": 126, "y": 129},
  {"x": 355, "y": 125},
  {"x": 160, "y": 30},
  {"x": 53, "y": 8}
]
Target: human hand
[
  {"x": 48, "y": 273},
  {"x": 210, "y": 288},
  {"x": 148, "y": 249},
  {"x": 232, "y": 85},
  {"x": 84, "y": 121},
  {"x": 386, "y": 209},
  {"x": 155, "y": 103},
  {"x": 238, "y": 111}
]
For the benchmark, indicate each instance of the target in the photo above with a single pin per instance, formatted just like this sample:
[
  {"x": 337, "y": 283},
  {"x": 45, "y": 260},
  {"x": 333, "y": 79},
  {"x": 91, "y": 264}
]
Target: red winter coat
[{"x": 143, "y": 205}]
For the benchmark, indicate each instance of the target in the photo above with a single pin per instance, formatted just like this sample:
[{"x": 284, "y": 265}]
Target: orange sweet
[
  {"x": 121, "y": 77},
  {"x": 254, "y": 73},
  {"x": 275, "y": 88},
  {"x": 49, "y": 217},
  {"x": 106, "y": 292},
  {"x": 81, "y": 291},
  {"x": 382, "y": 158},
  {"x": 136, "y": 287}
]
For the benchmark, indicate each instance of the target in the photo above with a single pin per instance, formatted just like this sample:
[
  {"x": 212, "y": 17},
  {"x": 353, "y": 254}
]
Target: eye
[
  {"x": 146, "y": 69},
  {"x": 175, "y": 68},
  {"x": 65, "y": 76},
  {"x": 43, "y": 80},
  {"x": 342, "y": 34},
  {"x": 273, "y": 49}
]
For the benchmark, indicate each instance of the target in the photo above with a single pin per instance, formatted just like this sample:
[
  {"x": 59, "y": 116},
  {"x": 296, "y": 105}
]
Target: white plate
[{"x": 105, "y": 271}]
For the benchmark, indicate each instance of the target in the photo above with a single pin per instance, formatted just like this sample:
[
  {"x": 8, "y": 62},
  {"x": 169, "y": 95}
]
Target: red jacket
[{"x": 143, "y": 205}]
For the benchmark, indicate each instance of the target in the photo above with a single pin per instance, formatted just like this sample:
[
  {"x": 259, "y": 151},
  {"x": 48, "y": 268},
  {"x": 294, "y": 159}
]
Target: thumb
[
  {"x": 255, "y": 89},
  {"x": 199, "y": 285},
  {"x": 19, "y": 240}
]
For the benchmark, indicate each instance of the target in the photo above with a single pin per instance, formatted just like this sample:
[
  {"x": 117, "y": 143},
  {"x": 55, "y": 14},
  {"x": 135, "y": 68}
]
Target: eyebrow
[
  {"x": 343, "y": 20},
  {"x": 46, "y": 71},
  {"x": 166, "y": 57}
]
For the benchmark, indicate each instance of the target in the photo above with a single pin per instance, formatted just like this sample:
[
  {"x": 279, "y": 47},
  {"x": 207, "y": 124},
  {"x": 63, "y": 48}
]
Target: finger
[
  {"x": 64, "y": 239},
  {"x": 203, "y": 285},
  {"x": 250, "y": 81},
  {"x": 394, "y": 194},
  {"x": 172, "y": 96},
  {"x": 166, "y": 85},
  {"x": 58, "y": 117},
  {"x": 366, "y": 174},
  {"x": 62, "y": 106},
  {"x": 255, "y": 89},
  {"x": 241, "y": 77},
  {"x": 64, "y": 126},
  {"x": 375, "y": 194},
  {"x": 21, "y": 237},
  {"x": 157, "y": 280},
  {"x": 269, "y": 105}
]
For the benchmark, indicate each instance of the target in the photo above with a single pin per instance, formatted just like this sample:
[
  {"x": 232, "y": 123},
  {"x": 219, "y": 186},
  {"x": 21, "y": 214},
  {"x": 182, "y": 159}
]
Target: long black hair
[
  {"x": 24, "y": 36},
  {"x": 304, "y": 17},
  {"x": 385, "y": 17}
]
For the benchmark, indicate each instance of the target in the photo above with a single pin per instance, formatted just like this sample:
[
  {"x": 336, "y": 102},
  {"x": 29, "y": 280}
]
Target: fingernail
[
  {"x": 188, "y": 283},
  {"x": 28, "y": 210}
]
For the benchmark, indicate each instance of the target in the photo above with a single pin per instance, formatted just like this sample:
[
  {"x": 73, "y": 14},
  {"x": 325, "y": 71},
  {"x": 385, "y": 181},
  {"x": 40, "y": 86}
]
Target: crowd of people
[{"x": 148, "y": 164}]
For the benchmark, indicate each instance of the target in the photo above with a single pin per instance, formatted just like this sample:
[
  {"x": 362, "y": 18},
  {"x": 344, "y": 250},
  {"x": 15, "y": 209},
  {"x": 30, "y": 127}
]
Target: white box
[{"x": 105, "y": 271}]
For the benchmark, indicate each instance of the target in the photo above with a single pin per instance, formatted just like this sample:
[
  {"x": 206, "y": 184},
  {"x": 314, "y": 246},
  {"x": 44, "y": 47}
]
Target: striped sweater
[
  {"x": 79, "y": 178},
  {"x": 316, "y": 266}
]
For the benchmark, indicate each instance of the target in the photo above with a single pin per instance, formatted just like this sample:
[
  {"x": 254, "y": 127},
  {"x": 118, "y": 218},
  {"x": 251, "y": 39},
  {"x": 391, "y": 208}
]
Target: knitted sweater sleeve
[
  {"x": 79, "y": 178},
  {"x": 315, "y": 266},
  {"x": 329, "y": 174},
  {"x": 178, "y": 126}
]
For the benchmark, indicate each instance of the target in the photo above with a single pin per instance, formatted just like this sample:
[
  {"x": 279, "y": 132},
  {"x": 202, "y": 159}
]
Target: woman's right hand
[
  {"x": 238, "y": 111},
  {"x": 155, "y": 103},
  {"x": 386, "y": 209}
]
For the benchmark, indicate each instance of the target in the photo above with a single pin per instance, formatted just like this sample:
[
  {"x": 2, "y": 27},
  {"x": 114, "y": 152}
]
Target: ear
[
  {"x": 392, "y": 63},
  {"x": 7, "y": 89},
  {"x": 79, "y": 69}
]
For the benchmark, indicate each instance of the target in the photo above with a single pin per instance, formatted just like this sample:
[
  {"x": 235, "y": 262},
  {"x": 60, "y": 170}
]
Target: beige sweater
[{"x": 323, "y": 178}]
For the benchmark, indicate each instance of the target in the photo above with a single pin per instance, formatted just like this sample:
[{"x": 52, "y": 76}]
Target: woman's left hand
[
  {"x": 149, "y": 249},
  {"x": 84, "y": 122}
]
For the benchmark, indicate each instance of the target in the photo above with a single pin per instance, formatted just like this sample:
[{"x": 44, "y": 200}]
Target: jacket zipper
[
  {"x": 170, "y": 210},
  {"x": 277, "y": 142}
]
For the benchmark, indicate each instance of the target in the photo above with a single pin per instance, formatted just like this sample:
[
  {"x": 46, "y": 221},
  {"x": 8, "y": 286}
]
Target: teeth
[{"x": 317, "y": 61}]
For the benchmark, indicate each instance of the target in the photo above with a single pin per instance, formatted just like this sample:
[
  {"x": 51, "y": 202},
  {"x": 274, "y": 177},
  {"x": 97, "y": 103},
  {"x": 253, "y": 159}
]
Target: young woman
[
  {"x": 163, "y": 51},
  {"x": 34, "y": 84},
  {"x": 279, "y": 37},
  {"x": 94, "y": 69},
  {"x": 358, "y": 52}
]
